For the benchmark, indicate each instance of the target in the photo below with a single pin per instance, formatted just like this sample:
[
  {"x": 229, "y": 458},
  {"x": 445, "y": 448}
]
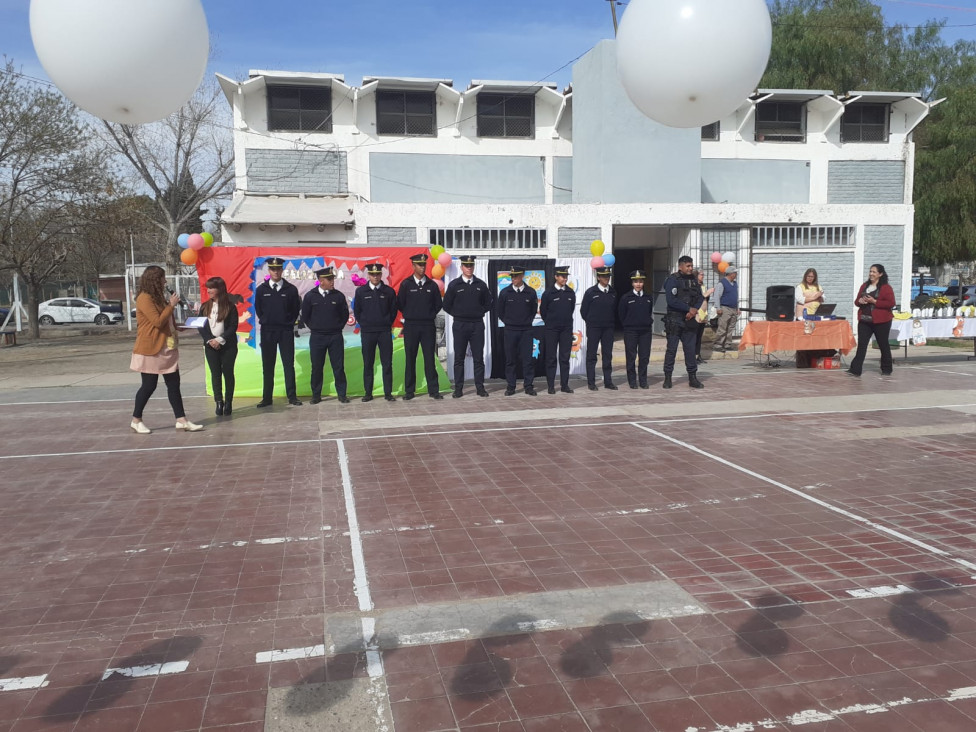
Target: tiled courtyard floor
[{"x": 782, "y": 550}]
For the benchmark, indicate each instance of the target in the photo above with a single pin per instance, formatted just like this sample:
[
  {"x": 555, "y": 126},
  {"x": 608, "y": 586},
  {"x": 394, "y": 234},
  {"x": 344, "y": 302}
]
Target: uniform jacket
[
  {"x": 277, "y": 310},
  {"x": 599, "y": 309},
  {"x": 326, "y": 313},
  {"x": 636, "y": 312},
  {"x": 375, "y": 310},
  {"x": 558, "y": 306},
  {"x": 683, "y": 293},
  {"x": 418, "y": 303},
  {"x": 468, "y": 303},
  {"x": 517, "y": 310}
]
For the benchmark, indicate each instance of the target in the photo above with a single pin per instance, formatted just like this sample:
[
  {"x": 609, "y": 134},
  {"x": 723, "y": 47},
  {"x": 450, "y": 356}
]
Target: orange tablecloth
[{"x": 774, "y": 336}]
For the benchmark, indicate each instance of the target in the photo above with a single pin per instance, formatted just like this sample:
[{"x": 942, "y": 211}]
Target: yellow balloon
[{"x": 597, "y": 248}]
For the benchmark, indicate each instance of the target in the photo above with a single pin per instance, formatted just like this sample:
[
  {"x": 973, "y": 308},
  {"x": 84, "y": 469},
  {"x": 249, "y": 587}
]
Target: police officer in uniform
[
  {"x": 684, "y": 297},
  {"x": 635, "y": 311},
  {"x": 374, "y": 306},
  {"x": 599, "y": 312},
  {"x": 557, "y": 309},
  {"x": 419, "y": 301},
  {"x": 517, "y": 306},
  {"x": 467, "y": 300},
  {"x": 325, "y": 311},
  {"x": 277, "y": 305}
]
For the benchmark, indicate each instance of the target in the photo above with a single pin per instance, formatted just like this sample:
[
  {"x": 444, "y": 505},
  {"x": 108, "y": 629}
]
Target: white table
[{"x": 901, "y": 330}]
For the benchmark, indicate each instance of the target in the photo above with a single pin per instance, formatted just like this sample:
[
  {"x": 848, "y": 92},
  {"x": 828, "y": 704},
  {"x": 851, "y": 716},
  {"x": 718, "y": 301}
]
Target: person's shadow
[
  {"x": 308, "y": 696},
  {"x": 909, "y": 617},
  {"x": 761, "y": 635},
  {"x": 481, "y": 678},
  {"x": 99, "y": 692},
  {"x": 592, "y": 654}
]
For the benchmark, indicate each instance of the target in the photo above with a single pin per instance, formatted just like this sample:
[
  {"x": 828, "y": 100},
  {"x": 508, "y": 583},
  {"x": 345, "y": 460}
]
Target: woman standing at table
[
  {"x": 875, "y": 301},
  {"x": 155, "y": 351},
  {"x": 808, "y": 294},
  {"x": 220, "y": 343}
]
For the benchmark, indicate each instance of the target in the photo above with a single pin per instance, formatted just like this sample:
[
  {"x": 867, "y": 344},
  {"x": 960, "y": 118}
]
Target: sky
[{"x": 463, "y": 40}]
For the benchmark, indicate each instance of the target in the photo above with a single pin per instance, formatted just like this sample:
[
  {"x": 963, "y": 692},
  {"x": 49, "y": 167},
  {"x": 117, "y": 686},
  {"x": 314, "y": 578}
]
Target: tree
[
  {"x": 49, "y": 171},
  {"x": 185, "y": 161}
]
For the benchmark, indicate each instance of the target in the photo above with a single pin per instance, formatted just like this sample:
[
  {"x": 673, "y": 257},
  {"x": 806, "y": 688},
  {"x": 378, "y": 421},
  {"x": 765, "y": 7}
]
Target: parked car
[
  {"x": 966, "y": 297},
  {"x": 76, "y": 310},
  {"x": 924, "y": 283}
]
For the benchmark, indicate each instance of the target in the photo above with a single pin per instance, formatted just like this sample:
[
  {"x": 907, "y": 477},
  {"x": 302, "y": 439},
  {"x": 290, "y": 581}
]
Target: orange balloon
[
  {"x": 437, "y": 271},
  {"x": 188, "y": 256},
  {"x": 722, "y": 266}
]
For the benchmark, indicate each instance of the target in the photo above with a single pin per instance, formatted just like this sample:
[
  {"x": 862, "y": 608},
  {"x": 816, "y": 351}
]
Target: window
[
  {"x": 405, "y": 112},
  {"x": 802, "y": 237},
  {"x": 468, "y": 239},
  {"x": 710, "y": 132},
  {"x": 506, "y": 115},
  {"x": 781, "y": 122},
  {"x": 300, "y": 108},
  {"x": 864, "y": 123}
]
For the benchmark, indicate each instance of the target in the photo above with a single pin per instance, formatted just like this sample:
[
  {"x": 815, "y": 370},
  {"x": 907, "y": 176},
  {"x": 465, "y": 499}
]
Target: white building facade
[{"x": 521, "y": 171}]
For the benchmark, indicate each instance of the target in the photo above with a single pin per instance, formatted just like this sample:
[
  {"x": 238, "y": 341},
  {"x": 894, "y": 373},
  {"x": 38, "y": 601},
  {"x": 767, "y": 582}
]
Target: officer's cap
[
  {"x": 374, "y": 268},
  {"x": 275, "y": 262},
  {"x": 419, "y": 258},
  {"x": 467, "y": 260},
  {"x": 517, "y": 269},
  {"x": 603, "y": 272},
  {"x": 562, "y": 271},
  {"x": 638, "y": 274},
  {"x": 325, "y": 272}
]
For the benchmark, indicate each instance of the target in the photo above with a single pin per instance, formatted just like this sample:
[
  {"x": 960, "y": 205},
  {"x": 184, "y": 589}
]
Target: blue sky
[{"x": 463, "y": 40}]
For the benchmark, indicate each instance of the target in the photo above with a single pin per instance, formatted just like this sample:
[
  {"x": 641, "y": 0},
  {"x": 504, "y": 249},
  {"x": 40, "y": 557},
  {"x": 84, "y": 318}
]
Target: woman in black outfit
[{"x": 220, "y": 342}]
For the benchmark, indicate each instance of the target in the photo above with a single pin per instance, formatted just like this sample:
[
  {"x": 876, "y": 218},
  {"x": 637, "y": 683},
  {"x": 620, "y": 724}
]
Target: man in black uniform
[
  {"x": 467, "y": 300},
  {"x": 599, "y": 311},
  {"x": 374, "y": 306},
  {"x": 557, "y": 309},
  {"x": 325, "y": 311},
  {"x": 635, "y": 311},
  {"x": 517, "y": 306},
  {"x": 684, "y": 297},
  {"x": 419, "y": 301},
  {"x": 277, "y": 305}
]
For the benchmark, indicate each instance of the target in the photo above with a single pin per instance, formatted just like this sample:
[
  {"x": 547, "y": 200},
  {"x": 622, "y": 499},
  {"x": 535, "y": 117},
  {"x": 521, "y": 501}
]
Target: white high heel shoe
[
  {"x": 189, "y": 426},
  {"x": 140, "y": 428}
]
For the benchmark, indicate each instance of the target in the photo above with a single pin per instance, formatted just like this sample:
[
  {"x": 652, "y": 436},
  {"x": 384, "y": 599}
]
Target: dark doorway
[{"x": 496, "y": 266}]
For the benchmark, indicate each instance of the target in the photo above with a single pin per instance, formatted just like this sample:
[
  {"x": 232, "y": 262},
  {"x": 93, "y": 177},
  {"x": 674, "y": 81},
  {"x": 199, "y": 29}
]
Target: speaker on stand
[{"x": 780, "y": 305}]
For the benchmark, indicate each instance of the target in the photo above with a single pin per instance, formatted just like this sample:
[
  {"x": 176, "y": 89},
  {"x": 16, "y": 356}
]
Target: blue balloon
[
  {"x": 609, "y": 259},
  {"x": 183, "y": 240}
]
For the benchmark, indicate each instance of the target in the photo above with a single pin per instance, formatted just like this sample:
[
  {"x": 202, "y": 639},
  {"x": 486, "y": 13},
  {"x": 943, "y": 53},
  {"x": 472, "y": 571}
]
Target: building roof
[
  {"x": 296, "y": 210},
  {"x": 406, "y": 82}
]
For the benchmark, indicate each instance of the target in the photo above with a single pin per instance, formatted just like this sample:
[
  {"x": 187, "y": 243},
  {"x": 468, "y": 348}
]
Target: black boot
[
  {"x": 667, "y": 382},
  {"x": 694, "y": 383},
  {"x": 220, "y": 408},
  {"x": 228, "y": 408}
]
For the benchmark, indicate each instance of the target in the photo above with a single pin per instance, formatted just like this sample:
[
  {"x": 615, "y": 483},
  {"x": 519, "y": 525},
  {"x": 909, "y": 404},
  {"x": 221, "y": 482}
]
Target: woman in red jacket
[{"x": 875, "y": 301}]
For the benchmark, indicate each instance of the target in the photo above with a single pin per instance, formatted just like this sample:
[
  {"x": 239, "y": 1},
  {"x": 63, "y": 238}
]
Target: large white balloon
[
  {"x": 688, "y": 63},
  {"x": 130, "y": 61}
]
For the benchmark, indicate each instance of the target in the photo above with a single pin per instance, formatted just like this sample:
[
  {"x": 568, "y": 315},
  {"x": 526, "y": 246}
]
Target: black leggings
[
  {"x": 149, "y": 382},
  {"x": 221, "y": 363},
  {"x": 881, "y": 332}
]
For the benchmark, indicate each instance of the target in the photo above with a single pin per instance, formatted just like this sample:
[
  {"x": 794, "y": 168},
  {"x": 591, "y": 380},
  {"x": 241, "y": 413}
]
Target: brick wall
[
  {"x": 835, "y": 272},
  {"x": 866, "y": 181},
  {"x": 296, "y": 171},
  {"x": 885, "y": 245},
  {"x": 575, "y": 241},
  {"x": 391, "y": 236}
]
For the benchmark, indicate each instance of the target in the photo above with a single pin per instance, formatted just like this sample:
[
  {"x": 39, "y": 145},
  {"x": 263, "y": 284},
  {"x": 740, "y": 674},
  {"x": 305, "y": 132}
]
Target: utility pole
[{"x": 613, "y": 11}]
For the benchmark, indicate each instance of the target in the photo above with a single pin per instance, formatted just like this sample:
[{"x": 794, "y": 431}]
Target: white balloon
[
  {"x": 129, "y": 61},
  {"x": 728, "y": 257},
  {"x": 688, "y": 63}
]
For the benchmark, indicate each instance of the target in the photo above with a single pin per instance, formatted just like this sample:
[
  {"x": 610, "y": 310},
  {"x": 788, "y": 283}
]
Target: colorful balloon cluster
[
  {"x": 191, "y": 244},
  {"x": 722, "y": 261},
  {"x": 597, "y": 249},
  {"x": 442, "y": 260}
]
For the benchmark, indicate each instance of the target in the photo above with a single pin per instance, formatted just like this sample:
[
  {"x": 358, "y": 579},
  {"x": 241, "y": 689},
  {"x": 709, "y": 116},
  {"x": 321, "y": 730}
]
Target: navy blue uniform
[
  {"x": 277, "y": 310},
  {"x": 419, "y": 304},
  {"x": 326, "y": 315},
  {"x": 517, "y": 311},
  {"x": 467, "y": 303},
  {"x": 683, "y": 294},
  {"x": 557, "y": 309},
  {"x": 599, "y": 311},
  {"x": 636, "y": 317},
  {"x": 375, "y": 311}
]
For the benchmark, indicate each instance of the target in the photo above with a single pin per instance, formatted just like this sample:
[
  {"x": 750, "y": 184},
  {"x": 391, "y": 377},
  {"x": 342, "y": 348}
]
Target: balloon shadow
[
  {"x": 909, "y": 617},
  {"x": 480, "y": 678},
  {"x": 8, "y": 662},
  {"x": 307, "y": 696},
  {"x": 99, "y": 692},
  {"x": 593, "y": 653},
  {"x": 761, "y": 635}
]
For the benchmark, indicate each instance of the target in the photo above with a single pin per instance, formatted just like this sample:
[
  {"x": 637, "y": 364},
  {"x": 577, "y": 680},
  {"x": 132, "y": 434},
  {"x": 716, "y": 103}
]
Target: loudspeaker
[{"x": 779, "y": 303}]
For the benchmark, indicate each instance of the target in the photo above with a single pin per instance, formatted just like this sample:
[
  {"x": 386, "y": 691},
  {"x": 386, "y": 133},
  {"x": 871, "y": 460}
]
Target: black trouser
[
  {"x": 518, "y": 349},
  {"x": 221, "y": 362},
  {"x": 561, "y": 337},
  {"x": 698, "y": 337},
  {"x": 678, "y": 330},
  {"x": 420, "y": 336},
  {"x": 637, "y": 348},
  {"x": 602, "y": 337},
  {"x": 149, "y": 382},
  {"x": 370, "y": 342},
  {"x": 469, "y": 334},
  {"x": 318, "y": 345},
  {"x": 273, "y": 340},
  {"x": 880, "y": 331}
]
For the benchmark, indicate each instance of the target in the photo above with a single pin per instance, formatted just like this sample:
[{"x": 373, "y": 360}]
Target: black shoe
[
  {"x": 457, "y": 394},
  {"x": 314, "y": 400},
  {"x": 343, "y": 400},
  {"x": 565, "y": 390},
  {"x": 390, "y": 398},
  {"x": 264, "y": 403},
  {"x": 667, "y": 382},
  {"x": 644, "y": 386},
  {"x": 228, "y": 409},
  {"x": 295, "y": 402},
  {"x": 886, "y": 373},
  {"x": 220, "y": 409},
  {"x": 482, "y": 392},
  {"x": 699, "y": 359},
  {"x": 368, "y": 398},
  {"x": 593, "y": 387},
  {"x": 435, "y": 395},
  {"x": 694, "y": 383},
  {"x": 530, "y": 391},
  {"x": 551, "y": 390},
  {"x": 852, "y": 373},
  {"x": 407, "y": 397},
  {"x": 509, "y": 392},
  {"x": 611, "y": 387},
  {"x": 632, "y": 386}
]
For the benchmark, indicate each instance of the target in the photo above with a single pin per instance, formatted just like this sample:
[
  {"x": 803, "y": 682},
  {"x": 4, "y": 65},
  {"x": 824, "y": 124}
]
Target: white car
[{"x": 76, "y": 310}]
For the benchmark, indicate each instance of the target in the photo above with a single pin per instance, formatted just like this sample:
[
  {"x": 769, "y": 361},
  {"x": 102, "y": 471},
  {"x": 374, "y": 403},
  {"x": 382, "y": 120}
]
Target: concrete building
[{"x": 505, "y": 169}]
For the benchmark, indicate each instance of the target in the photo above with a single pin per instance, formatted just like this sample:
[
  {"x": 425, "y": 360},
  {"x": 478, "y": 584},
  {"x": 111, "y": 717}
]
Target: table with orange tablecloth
[{"x": 773, "y": 336}]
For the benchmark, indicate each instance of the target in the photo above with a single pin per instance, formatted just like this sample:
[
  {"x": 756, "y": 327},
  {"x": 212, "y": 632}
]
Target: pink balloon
[
  {"x": 196, "y": 242},
  {"x": 440, "y": 285},
  {"x": 597, "y": 262},
  {"x": 716, "y": 257},
  {"x": 444, "y": 260}
]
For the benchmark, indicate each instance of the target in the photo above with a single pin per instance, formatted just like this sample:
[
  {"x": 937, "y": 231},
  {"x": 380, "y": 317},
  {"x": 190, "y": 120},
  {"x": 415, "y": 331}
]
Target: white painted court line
[
  {"x": 290, "y": 654},
  {"x": 812, "y": 499},
  {"x": 24, "y": 682},
  {"x": 881, "y": 591},
  {"x": 164, "y": 448},
  {"x": 433, "y": 637},
  {"x": 156, "y": 669}
]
